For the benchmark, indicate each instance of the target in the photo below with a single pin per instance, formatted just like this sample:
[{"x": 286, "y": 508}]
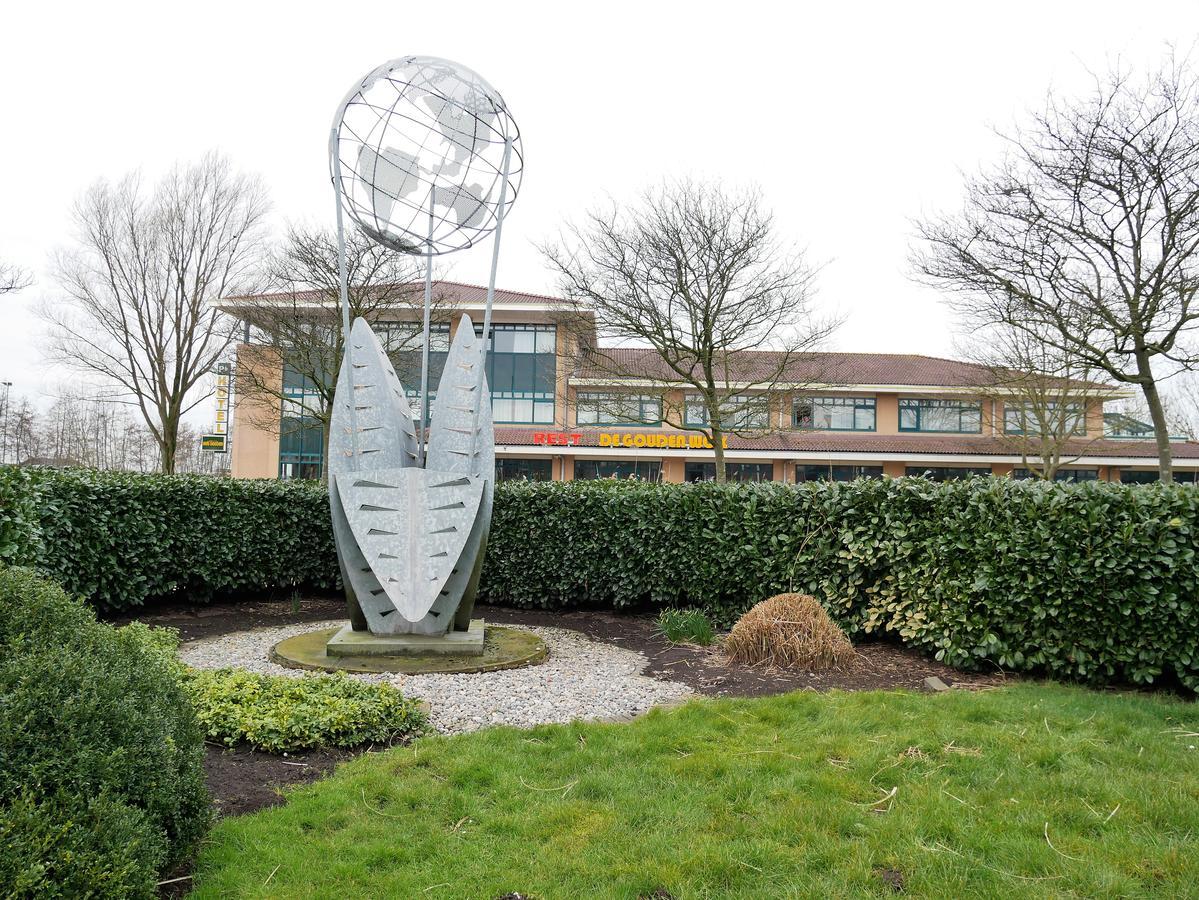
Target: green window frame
[
  {"x": 616, "y": 408},
  {"x": 745, "y": 412},
  {"x": 941, "y": 416},
  {"x": 733, "y": 471},
  {"x": 830, "y": 413},
  {"x": 946, "y": 473},
  {"x": 827, "y": 472},
  {"x": 1017, "y": 417}
]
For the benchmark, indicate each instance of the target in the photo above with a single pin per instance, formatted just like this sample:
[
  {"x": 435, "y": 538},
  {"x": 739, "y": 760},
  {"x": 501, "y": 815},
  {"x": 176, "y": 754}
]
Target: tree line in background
[{"x": 1073, "y": 264}]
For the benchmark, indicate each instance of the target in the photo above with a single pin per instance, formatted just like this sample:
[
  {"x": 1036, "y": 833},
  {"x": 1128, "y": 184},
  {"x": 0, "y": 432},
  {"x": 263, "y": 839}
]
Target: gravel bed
[{"x": 581, "y": 679}]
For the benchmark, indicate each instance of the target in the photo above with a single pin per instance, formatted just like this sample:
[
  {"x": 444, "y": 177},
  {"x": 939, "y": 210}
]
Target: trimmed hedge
[
  {"x": 101, "y": 759},
  {"x": 1096, "y": 582}
]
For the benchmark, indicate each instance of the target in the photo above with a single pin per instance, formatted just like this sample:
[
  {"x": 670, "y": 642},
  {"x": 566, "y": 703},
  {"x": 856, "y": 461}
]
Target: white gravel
[{"x": 581, "y": 679}]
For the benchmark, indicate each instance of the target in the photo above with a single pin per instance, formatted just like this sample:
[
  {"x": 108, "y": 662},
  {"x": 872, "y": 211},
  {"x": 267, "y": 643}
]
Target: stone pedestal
[{"x": 348, "y": 642}]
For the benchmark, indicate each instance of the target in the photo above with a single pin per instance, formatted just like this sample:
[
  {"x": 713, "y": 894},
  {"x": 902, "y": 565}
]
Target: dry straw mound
[{"x": 791, "y": 631}]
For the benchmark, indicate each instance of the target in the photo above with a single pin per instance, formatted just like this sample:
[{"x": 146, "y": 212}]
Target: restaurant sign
[{"x": 673, "y": 441}]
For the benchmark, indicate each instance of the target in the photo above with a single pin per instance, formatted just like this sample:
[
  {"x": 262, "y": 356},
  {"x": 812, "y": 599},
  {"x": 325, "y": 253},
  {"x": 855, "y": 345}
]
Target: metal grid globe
[{"x": 417, "y": 155}]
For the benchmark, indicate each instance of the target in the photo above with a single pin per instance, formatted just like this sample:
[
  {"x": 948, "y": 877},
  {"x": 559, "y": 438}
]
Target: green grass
[
  {"x": 690, "y": 626},
  {"x": 792, "y": 796}
]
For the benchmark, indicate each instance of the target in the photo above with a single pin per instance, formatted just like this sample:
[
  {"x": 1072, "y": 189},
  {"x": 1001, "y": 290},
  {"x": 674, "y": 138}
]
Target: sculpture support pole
[
  {"x": 495, "y": 259},
  {"x": 344, "y": 291},
  {"x": 424, "y": 357}
]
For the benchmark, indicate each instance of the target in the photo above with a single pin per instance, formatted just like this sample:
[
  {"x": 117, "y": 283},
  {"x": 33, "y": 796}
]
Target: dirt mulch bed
[{"x": 243, "y": 780}]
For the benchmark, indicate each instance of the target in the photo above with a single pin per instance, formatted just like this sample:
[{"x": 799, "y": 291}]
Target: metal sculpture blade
[
  {"x": 410, "y": 540},
  {"x": 462, "y": 440}
]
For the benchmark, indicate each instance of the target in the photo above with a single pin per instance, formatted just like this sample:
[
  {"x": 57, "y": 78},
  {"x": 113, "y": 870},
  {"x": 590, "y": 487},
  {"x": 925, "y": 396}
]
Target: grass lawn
[{"x": 1023, "y": 791}]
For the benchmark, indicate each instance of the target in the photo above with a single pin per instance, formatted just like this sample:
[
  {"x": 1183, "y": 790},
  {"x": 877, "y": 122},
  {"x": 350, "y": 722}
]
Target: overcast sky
[{"x": 852, "y": 118}]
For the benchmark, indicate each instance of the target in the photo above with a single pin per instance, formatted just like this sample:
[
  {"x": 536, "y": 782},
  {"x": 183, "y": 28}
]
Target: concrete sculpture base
[
  {"x": 503, "y": 648},
  {"x": 349, "y": 642}
]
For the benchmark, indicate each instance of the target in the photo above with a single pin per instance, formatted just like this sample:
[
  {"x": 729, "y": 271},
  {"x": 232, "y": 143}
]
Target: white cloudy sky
[{"x": 852, "y": 118}]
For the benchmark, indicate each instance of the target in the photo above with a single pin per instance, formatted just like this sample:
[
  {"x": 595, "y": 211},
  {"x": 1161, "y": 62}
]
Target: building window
[
  {"x": 521, "y": 367},
  {"x": 591, "y": 469},
  {"x": 521, "y": 371},
  {"x": 825, "y": 472},
  {"x": 1023, "y": 418},
  {"x": 612, "y": 408},
  {"x": 743, "y": 413},
  {"x": 301, "y": 436},
  {"x": 1066, "y": 475},
  {"x": 733, "y": 471},
  {"x": 947, "y": 473},
  {"x": 834, "y": 413},
  {"x": 1150, "y": 476},
  {"x": 512, "y": 469},
  {"x": 945, "y": 416}
]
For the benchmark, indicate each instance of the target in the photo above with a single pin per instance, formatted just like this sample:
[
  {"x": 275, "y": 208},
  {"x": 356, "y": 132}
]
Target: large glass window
[
  {"x": 733, "y": 471},
  {"x": 1067, "y": 475},
  {"x": 1150, "y": 476},
  {"x": 947, "y": 416},
  {"x": 521, "y": 367},
  {"x": 827, "y": 472},
  {"x": 613, "y": 408},
  {"x": 512, "y": 469},
  {"x": 947, "y": 473},
  {"x": 834, "y": 413},
  {"x": 591, "y": 469},
  {"x": 301, "y": 437},
  {"x": 1024, "y": 418},
  {"x": 749, "y": 412}
]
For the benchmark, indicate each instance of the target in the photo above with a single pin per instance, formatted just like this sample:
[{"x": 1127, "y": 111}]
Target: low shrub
[
  {"x": 101, "y": 759},
  {"x": 791, "y": 631},
  {"x": 279, "y": 713},
  {"x": 690, "y": 626}
]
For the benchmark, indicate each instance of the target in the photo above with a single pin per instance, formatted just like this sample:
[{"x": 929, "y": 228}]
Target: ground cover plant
[
  {"x": 689, "y": 626},
  {"x": 1095, "y": 582},
  {"x": 1039, "y": 790},
  {"x": 101, "y": 760},
  {"x": 791, "y": 631},
  {"x": 278, "y": 713}
]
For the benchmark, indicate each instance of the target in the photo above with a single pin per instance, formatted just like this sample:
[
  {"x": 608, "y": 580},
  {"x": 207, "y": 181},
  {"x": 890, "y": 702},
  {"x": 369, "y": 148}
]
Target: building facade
[{"x": 561, "y": 416}]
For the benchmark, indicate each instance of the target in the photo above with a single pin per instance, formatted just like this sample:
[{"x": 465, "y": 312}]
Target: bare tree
[
  {"x": 299, "y": 324},
  {"x": 1047, "y": 396},
  {"x": 13, "y": 278},
  {"x": 140, "y": 286},
  {"x": 1087, "y": 233},
  {"x": 695, "y": 274}
]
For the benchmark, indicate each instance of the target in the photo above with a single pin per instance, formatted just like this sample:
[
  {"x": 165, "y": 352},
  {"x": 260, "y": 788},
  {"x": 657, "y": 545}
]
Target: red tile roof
[
  {"x": 808, "y": 368},
  {"x": 454, "y": 293}
]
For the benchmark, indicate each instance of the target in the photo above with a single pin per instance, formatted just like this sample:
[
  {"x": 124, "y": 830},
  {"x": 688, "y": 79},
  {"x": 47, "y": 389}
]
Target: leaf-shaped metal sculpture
[
  {"x": 462, "y": 440},
  {"x": 411, "y": 526}
]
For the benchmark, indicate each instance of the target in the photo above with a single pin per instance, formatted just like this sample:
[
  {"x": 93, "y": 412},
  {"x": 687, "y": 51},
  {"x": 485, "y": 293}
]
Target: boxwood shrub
[
  {"x": 101, "y": 759},
  {"x": 1097, "y": 582}
]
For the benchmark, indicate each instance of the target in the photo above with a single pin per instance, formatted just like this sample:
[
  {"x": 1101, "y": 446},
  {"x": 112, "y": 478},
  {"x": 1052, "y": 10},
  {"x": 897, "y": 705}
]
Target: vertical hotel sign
[{"x": 220, "y": 425}]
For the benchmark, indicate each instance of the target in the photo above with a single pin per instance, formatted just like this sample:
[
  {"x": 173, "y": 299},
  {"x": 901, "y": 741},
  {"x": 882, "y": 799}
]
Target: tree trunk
[
  {"x": 1161, "y": 429},
  {"x": 169, "y": 445},
  {"x": 718, "y": 449}
]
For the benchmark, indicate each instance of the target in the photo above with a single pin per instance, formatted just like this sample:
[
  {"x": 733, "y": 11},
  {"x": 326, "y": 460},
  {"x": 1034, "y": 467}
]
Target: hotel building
[{"x": 558, "y": 415}]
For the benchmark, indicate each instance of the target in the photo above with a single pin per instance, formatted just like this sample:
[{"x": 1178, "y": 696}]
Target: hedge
[
  {"x": 101, "y": 758},
  {"x": 1096, "y": 581}
]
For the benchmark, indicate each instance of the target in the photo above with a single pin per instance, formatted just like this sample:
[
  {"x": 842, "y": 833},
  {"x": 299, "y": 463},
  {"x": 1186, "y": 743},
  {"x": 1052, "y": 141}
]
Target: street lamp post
[{"x": 4, "y": 441}]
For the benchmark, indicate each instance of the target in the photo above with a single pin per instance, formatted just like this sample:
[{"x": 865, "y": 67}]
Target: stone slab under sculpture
[{"x": 410, "y": 540}]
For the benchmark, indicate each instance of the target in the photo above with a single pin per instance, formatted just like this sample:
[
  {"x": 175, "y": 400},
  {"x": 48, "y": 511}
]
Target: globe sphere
[{"x": 418, "y": 153}]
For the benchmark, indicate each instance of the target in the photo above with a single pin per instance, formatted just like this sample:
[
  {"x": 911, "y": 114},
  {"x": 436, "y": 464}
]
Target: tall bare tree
[
  {"x": 13, "y": 278},
  {"x": 1046, "y": 394},
  {"x": 299, "y": 322},
  {"x": 695, "y": 274},
  {"x": 1087, "y": 233},
  {"x": 139, "y": 288}
]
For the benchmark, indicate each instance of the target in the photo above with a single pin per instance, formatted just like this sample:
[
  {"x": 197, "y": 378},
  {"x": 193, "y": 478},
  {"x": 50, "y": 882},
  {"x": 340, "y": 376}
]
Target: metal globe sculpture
[
  {"x": 418, "y": 154},
  {"x": 425, "y": 159}
]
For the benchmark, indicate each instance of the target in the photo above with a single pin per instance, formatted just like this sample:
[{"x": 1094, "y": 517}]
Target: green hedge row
[
  {"x": 1096, "y": 581},
  {"x": 101, "y": 758}
]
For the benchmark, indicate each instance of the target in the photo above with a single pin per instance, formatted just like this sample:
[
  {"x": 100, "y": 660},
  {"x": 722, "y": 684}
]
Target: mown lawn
[{"x": 1023, "y": 791}]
